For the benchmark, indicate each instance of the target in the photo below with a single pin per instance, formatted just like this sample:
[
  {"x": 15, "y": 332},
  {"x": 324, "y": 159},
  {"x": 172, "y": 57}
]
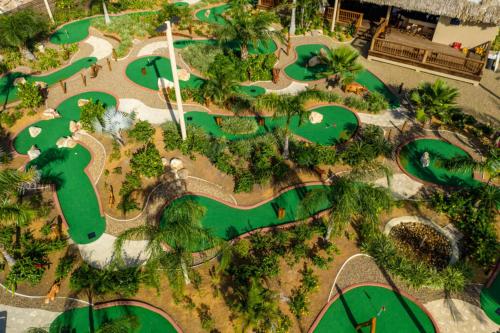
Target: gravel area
[{"x": 96, "y": 167}]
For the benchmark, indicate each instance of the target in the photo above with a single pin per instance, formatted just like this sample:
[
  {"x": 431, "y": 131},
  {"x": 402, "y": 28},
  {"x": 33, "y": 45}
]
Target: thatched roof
[{"x": 486, "y": 11}]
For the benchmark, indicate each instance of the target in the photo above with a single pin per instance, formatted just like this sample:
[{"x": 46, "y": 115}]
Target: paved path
[
  {"x": 388, "y": 118},
  {"x": 21, "y": 319},
  {"x": 155, "y": 116},
  {"x": 101, "y": 47},
  {"x": 402, "y": 186},
  {"x": 456, "y": 316}
]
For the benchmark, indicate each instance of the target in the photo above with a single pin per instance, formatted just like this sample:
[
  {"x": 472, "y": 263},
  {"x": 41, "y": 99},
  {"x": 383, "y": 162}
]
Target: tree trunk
[
  {"x": 244, "y": 51},
  {"x": 185, "y": 272},
  {"x": 8, "y": 258},
  {"x": 292, "y": 19},
  {"x": 286, "y": 151}
]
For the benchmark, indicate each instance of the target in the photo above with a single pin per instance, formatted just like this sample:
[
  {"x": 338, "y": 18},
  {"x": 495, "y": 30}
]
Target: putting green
[
  {"x": 360, "y": 304},
  {"x": 65, "y": 168},
  {"x": 157, "y": 67},
  {"x": 268, "y": 47},
  {"x": 439, "y": 151},
  {"x": 299, "y": 71},
  {"x": 338, "y": 125},
  {"x": 77, "y": 320},
  {"x": 72, "y": 32},
  {"x": 213, "y": 15},
  {"x": 490, "y": 300},
  {"x": 8, "y": 92},
  {"x": 228, "y": 222}
]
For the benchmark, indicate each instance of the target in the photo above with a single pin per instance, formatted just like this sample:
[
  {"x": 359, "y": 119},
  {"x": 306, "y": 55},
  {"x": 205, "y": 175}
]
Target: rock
[
  {"x": 82, "y": 102},
  {"x": 176, "y": 164},
  {"x": 164, "y": 83},
  {"x": 183, "y": 173},
  {"x": 183, "y": 74},
  {"x": 41, "y": 84},
  {"x": 33, "y": 153},
  {"x": 314, "y": 61},
  {"x": 76, "y": 136},
  {"x": 164, "y": 161},
  {"x": 50, "y": 114},
  {"x": 425, "y": 159},
  {"x": 74, "y": 126},
  {"x": 67, "y": 142},
  {"x": 19, "y": 80},
  {"x": 34, "y": 131},
  {"x": 315, "y": 117},
  {"x": 207, "y": 13},
  {"x": 41, "y": 48}
]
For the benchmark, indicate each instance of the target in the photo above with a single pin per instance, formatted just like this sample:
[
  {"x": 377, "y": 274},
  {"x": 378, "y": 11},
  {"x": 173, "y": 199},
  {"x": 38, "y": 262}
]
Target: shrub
[
  {"x": 376, "y": 102},
  {"x": 200, "y": 55},
  {"x": 356, "y": 103},
  {"x": 207, "y": 322},
  {"x": 27, "y": 269},
  {"x": 47, "y": 59},
  {"x": 241, "y": 148},
  {"x": 238, "y": 125},
  {"x": 243, "y": 181},
  {"x": 142, "y": 131},
  {"x": 89, "y": 113},
  {"x": 147, "y": 162},
  {"x": 196, "y": 141},
  {"x": 299, "y": 303},
  {"x": 30, "y": 95},
  {"x": 64, "y": 267}
]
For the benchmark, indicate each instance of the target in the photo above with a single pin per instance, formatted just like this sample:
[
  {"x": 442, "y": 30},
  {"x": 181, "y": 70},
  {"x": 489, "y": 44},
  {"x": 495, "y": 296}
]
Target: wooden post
[
  {"x": 143, "y": 70},
  {"x": 424, "y": 58},
  {"x": 262, "y": 121},
  {"x": 388, "y": 14},
  {"x": 63, "y": 85},
  {"x": 109, "y": 64},
  {"x": 115, "y": 56},
  {"x": 84, "y": 79},
  {"x": 276, "y": 75},
  {"x": 334, "y": 18},
  {"x": 281, "y": 213},
  {"x": 218, "y": 120}
]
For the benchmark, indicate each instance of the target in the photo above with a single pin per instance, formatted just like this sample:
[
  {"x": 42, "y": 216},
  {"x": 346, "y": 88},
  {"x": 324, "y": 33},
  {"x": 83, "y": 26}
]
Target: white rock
[
  {"x": 207, "y": 13},
  {"x": 314, "y": 61},
  {"x": 41, "y": 84},
  {"x": 176, "y": 164},
  {"x": 164, "y": 161},
  {"x": 315, "y": 117},
  {"x": 65, "y": 143},
  {"x": 76, "y": 136},
  {"x": 425, "y": 159},
  {"x": 50, "y": 114},
  {"x": 164, "y": 83},
  {"x": 33, "y": 153},
  {"x": 74, "y": 126},
  {"x": 34, "y": 131},
  {"x": 41, "y": 48},
  {"x": 19, "y": 80},
  {"x": 183, "y": 74},
  {"x": 82, "y": 102},
  {"x": 183, "y": 174}
]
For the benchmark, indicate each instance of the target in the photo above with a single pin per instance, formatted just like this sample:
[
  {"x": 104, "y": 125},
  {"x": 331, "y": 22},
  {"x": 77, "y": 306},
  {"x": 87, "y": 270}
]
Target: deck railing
[
  {"x": 345, "y": 17},
  {"x": 267, "y": 3}
]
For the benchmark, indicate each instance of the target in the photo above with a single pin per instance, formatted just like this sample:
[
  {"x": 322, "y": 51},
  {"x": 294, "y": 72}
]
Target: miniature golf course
[
  {"x": 228, "y": 222},
  {"x": 439, "y": 151},
  {"x": 8, "y": 92},
  {"x": 338, "y": 125},
  {"x": 268, "y": 47},
  {"x": 77, "y": 320},
  {"x": 156, "y": 67},
  {"x": 360, "y": 304},
  {"x": 490, "y": 300},
  {"x": 64, "y": 167},
  {"x": 213, "y": 15},
  {"x": 300, "y": 71}
]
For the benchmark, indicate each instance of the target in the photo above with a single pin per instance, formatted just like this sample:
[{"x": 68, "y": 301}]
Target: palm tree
[
  {"x": 247, "y": 26},
  {"x": 21, "y": 29},
  {"x": 434, "y": 99},
  {"x": 340, "y": 63},
  {"x": 173, "y": 241},
  {"x": 350, "y": 200},
  {"x": 123, "y": 324},
  {"x": 489, "y": 165},
  {"x": 220, "y": 87},
  {"x": 113, "y": 123}
]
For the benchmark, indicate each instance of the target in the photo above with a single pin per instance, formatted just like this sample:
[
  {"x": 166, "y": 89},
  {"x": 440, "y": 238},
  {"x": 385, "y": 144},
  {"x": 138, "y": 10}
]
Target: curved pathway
[
  {"x": 101, "y": 47},
  {"x": 19, "y": 320}
]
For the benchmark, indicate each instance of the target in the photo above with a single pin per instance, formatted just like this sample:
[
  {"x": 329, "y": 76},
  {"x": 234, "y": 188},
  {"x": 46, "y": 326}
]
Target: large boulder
[
  {"x": 50, "y": 114},
  {"x": 82, "y": 102},
  {"x": 67, "y": 142},
  {"x": 315, "y": 117},
  {"x": 183, "y": 74},
  {"x": 176, "y": 164},
  {"x": 33, "y": 153},
  {"x": 74, "y": 126},
  {"x": 314, "y": 61},
  {"x": 183, "y": 173},
  {"x": 164, "y": 83},
  {"x": 34, "y": 131},
  {"x": 19, "y": 80},
  {"x": 41, "y": 84}
]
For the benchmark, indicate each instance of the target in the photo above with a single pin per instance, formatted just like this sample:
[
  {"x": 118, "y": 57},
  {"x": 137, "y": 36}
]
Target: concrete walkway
[
  {"x": 101, "y": 47},
  {"x": 155, "y": 116},
  {"x": 18, "y": 320}
]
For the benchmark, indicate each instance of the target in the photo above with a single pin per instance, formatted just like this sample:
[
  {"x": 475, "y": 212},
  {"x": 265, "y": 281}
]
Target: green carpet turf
[
  {"x": 78, "y": 320},
  {"x": 361, "y": 304},
  {"x": 262, "y": 47},
  {"x": 227, "y": 222},
  {"x": 338, "y": 125},
  {"x": 490, "y": 300},
  {"x": 439, "y": 151},
  {"x": 65, "y": 168},
  {"x": 214, "y": 15},
  {"x": 8, "y": 92},
  {"x": 301, "y": 72},
  {"x": 157, "y": 67},
  {"x": 72, "y": 32}
]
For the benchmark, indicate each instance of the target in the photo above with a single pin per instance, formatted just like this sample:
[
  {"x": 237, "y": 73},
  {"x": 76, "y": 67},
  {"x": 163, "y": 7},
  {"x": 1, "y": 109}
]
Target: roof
[{"x": 485, "y": 11}]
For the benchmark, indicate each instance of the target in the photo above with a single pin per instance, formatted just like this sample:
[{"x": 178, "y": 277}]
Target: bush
[
  {"x": 89, "y": 113},
  {"x": 207, "y": 322},
  {"x": 356, "y": 103},
  {"x": 142, "y": 131},
  {"x": 238, "y": 125},
  {"x": 299, "y": 303},
  {"x": 147, "y": 162},
  {"x": 376, "y": 102},
  {"x": 27, "y": 269},
  {"x": 243, "y": 181},
  {"x": 64, "y": 267},
  {"x": 30, "y": 95},
  {"x": 196, "y": 141},
  {"x": 200, "y": 55}
]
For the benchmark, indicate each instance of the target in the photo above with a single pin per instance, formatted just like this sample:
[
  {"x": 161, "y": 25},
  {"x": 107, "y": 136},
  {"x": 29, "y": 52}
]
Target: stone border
[
  {"x": 141, "y": 304},
  {"x": 345, "y": 290},
  {"x": 455, "y": 252}
]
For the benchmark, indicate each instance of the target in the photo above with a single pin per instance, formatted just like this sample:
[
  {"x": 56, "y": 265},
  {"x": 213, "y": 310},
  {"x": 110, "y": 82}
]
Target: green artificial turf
[
  {"x": 157, "y": 67},
  {"x": 490, "y": 300},
  {"x": 262, "y": 48},
  {"x": 77, "y": 320},
  {"x": 439, "y": 152},
  {"x": 301, "y": 72},
  {"x": 8, "y": 92},
  {"x": 214, "y": 15},
  {"x": 65, "y": 168},
  {"x": 338, "y": 125},
  {"x": 227, "y": 222},
  {"x": 72, "y": 32},
  {"x": 361, "y": 304}
]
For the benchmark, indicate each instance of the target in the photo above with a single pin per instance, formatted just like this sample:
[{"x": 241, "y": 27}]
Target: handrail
[
  {"x": 380, "y": 28},
  {"x": 345, "y": 16},
  {"x": 485, "y": 46}
]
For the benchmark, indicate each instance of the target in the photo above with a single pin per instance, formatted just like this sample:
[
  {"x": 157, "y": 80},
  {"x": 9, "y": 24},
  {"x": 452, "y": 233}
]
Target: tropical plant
[
  {"x": 142, "y": 131},
  {"x": 30, "y": 95},
  {"x": 124, "y": 324},
  {"x": 490, "y": 164},
  {"x": 340, "y": 63},
  {"x": 239, "y": 125},
  {"x": 434, "y": 100},
  {"x": 247, "y": 26},
  {"x": 113, "y": 122},
  {"x": 21, "y": 29},
  {"x": 90, "y": 113},
  {"x": 147, "y": 161},
  {"x": 172, "y": 242},
  {"x": 221, "y": 85},
  {"x": 179, "y": 15}
]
